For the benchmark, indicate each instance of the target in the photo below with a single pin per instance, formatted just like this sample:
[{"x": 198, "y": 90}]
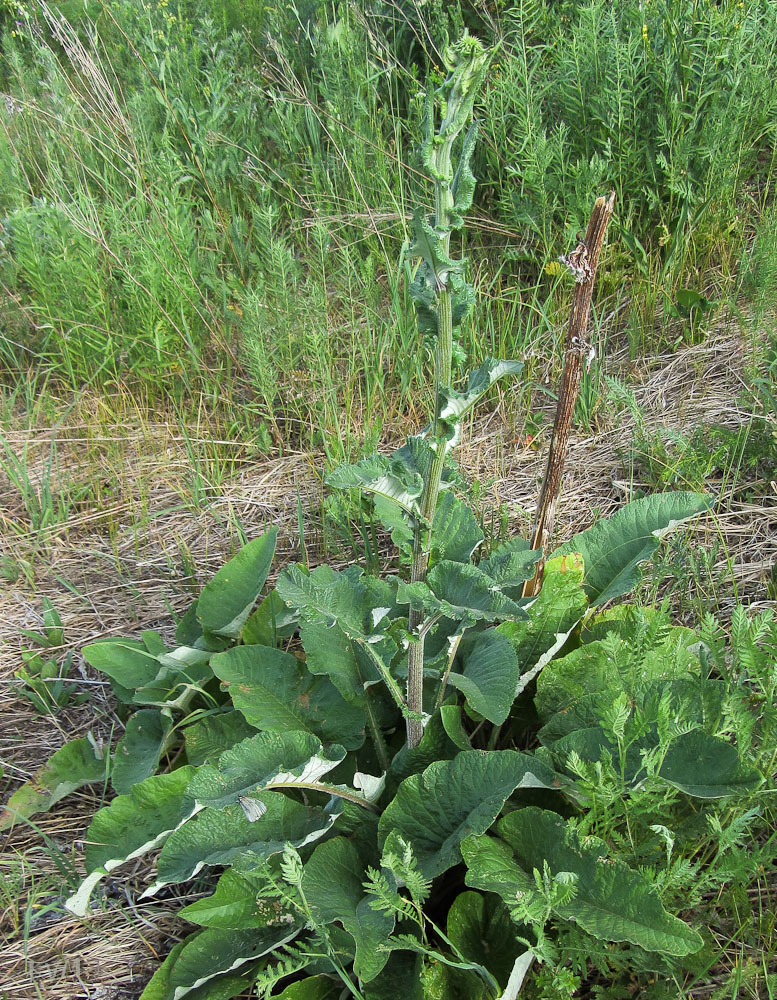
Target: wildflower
[{"x": 552, "y": 267}]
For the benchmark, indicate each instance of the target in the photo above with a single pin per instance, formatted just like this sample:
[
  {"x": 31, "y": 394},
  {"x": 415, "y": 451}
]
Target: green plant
[
  {"x": 46, "y": 683},
  {"x": 382, "y": 832}
]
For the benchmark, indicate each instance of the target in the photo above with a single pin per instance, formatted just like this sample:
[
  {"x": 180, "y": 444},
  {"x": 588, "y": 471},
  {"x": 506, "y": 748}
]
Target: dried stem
[{"x": 584, "y": 261}]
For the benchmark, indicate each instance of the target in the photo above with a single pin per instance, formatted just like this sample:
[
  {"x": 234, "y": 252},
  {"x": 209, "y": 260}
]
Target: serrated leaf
[
  {"x": 611, "y": 901},
  {"x": 463, "y": 186},
  {"x": 332, "y": 884},
  {"x": 220, "y": 836},
  {"x": 138, "y": 751},
  {"x": 226, "y": 601},
  {"x": 210, "y": 736},
  {"x": 434, "y": 811},
  {"x": 707, "y": 767},
  {"x": 511, "y": 565},
  {"x": 213, "y": 953},
  {"x": 74, "y": 765},
  {"x": 274, "y": 691},
  {"x": 614, "y": 548},
  {"x": 235, "y": 904},
  {"x": 132, "y": 825},
  {"x": 262, "y": 761},
  {"x": 455, "y": 531},
  {"x": 428, "y": 244},
  {"x": 461, "y": 592},
  {"x": 489, "y": 676},
  {"x": 387, "y": 476},
  {"x": 454, "y": 405},
  {"x": 559, "y": 606}
]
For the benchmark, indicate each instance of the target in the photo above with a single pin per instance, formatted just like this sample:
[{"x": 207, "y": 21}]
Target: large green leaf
[
  {"x": 207, "y": 738},
  {"x": 125, "y": 661},
  {"x": 263, "y": 761},
  {"x": 236, "y": 904},
  {"x": 78, "y": 763},
  {"x": 132, "y": 825},
  {"x": 274, "y": 691},
  {"x": 434, "y": 811},
  {"x": 489, "y": 676},
  {"x": 559, "y": 606},
  {"x": 138, "y": 751},
  {"x": 386, "y": 476},
  {"x": 332, "y": 884},
  {"x": 455, "y": 530},
  {"x": 271, "y": 622},
  {"x": 707, "y": 767},
  {"x": 219, "y": 836},
  {"x": 427, "y": 243},
  {"x": 610, "y": 901},
  {"x": 480, "y": 927},
  {"x": 312, "y": 988},
  {"x": 614, "y": 548},
  {"x": 213, "y": 952},
  {"x": 461, "y": 592},
  {"x": 454, "y": 405},
  {"x": 330, "y": 652},
  {"x": 510, "y": 565},
  {"x": 223, "y": 987},
  {"x": 226, "y": 601}
]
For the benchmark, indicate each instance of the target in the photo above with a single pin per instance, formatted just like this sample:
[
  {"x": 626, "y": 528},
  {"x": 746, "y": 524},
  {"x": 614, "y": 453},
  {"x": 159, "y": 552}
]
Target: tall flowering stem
[{"x": 442, "y": 297}]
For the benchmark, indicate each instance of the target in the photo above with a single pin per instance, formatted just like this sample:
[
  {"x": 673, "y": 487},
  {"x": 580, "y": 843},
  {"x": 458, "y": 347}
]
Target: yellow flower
[{"x": 552, "y": 267}]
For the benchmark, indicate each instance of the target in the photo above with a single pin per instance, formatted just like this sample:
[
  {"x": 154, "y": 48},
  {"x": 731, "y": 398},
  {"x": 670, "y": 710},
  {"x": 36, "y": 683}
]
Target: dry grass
[{"x": 119, "y": 565}]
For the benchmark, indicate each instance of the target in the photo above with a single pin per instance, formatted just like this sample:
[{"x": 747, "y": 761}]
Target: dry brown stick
[{"x": 583, "y": 261}]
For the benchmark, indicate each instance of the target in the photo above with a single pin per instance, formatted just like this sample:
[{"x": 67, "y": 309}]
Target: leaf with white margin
[
  {"x": 458, "y": 591},
  {"x": 385, "y": 476},
  {"x": 235, "y": 904},
  {"x": 454, "y": 405},
  {"x": 214, "y": 952},
  {"x": 434, "y": 811},
  {"x": 263, "y": 761},
  {"x": 132, "y": 825},
  {"x": 220, "y": 836},
  {"x": 614, "y": 548},
  {"x": 223, "y": 987},
  {"x": 228, "y": 599}
]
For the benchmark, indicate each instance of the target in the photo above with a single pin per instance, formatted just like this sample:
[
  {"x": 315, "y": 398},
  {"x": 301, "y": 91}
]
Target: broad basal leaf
[
  {"x": 220, "y": 836},
  {"x": 125, "y": 661},
  {"x": 707, "y": 767},
  {"x": 611, "y": 901},
  {"x": 489, "y": 676},
  {"x": 131, "y": 825},
  {"x": 271, "y": 622},
  {"x": 559, "y": 606},
  {"x": 263, "y": 761},
  {"x": 614, "y": 548},
  {"x": 480, "y": 927},
  {"x": 332, "y": 884},
  {"x": 212, "y": 953},
  {"x": 207, "y": 738},
  {"x": 236, "y": 904},
  {"x": 223, "y": 987},
  {"x": 226, "y": 601},
  {"x": 434, "y": 811},
  {"x": 138, "y": 751},
  {"x": 312, "y": 988},
  {"x": 274, "y": 691},
  {"x": 78, "y": 763}
]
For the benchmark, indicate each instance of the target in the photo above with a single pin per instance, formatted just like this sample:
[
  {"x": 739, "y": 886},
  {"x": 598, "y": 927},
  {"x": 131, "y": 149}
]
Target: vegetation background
[{"x": 203, "y": 213}]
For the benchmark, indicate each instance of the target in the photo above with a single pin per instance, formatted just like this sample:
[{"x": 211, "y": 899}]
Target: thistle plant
[{"x": 342, "y": 748}]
